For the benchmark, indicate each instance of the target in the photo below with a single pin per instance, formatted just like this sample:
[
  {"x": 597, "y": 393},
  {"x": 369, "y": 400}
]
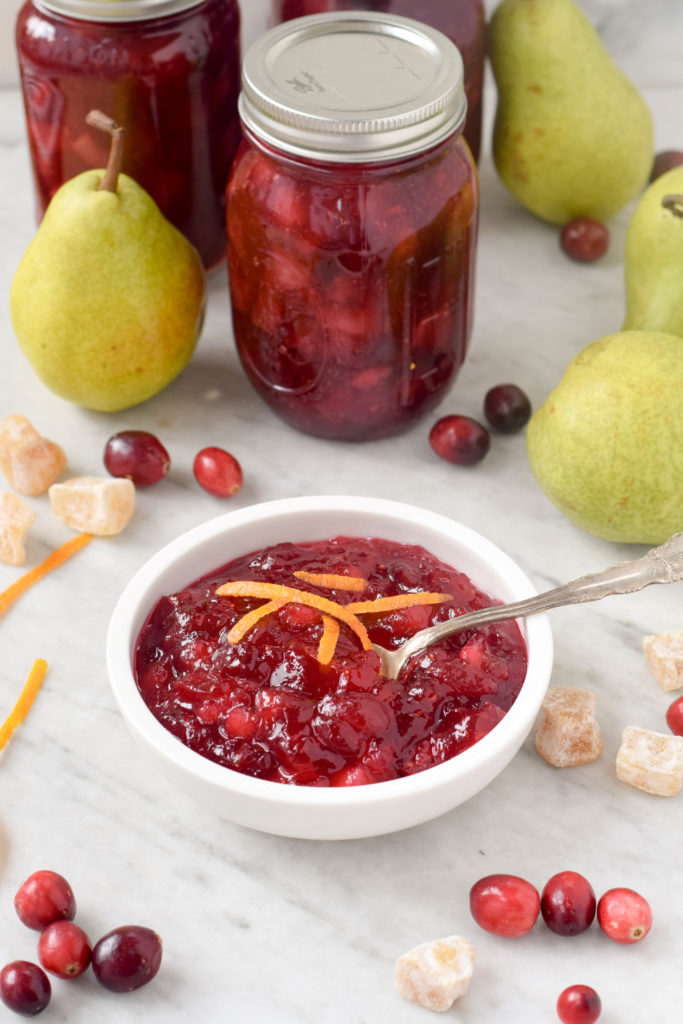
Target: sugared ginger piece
[
  {"x": 568, "y": 733},
  {"x": 651, "y": 761},
  {"x": 664, "y": 653},
  {"x": 30, "y": 462},
  {"x": 102, "y": 506},
  {"x": 436, "y": 973},
  {"x": 15, "y": 519}
]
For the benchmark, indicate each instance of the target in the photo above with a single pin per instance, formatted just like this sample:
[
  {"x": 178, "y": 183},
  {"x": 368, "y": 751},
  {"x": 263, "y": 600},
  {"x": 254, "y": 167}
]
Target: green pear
[
  {"x": 572, "y": 137},
  {"x": 107, "y": 302},
  {"x": 654, "y": 258},
  {"x": 607, "y": 444}
]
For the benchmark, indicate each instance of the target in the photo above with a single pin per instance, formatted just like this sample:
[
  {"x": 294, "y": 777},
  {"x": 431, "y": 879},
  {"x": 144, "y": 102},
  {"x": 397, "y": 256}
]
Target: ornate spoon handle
[{"x": 663, "y": 564}]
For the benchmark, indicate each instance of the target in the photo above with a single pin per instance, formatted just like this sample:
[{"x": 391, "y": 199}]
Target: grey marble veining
[{"x": 266, "y": 929}]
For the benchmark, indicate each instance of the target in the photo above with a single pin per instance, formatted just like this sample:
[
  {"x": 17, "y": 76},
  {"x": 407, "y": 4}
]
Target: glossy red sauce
[{"x": 267, "y": 707}]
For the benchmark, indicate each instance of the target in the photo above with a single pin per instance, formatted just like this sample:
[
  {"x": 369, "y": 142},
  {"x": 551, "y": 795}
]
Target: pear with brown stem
[{"x": 107, "y": 303}]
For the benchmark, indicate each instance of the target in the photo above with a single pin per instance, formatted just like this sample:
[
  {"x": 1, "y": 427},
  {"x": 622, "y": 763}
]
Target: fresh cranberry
[
  {"x": 568, "y": 903},
  {"x": 218, "y": 472},
  {"x": 24, "y": 987},
  {"x": 507, "y": 408},
  {"x": 504, "y": 904},
  {"x": 584, "y": 239},
  {"x": 460, "y": 440},
  {"x": 64, "y": 949},
  {"x": 665, "y": 161},
  {"x": 138, "y": 455},
  {"x": 579, "y": 1004},
  {"x": 43, "y": 898},
  {"x": 127, "y": 958},
  {"x": 624, "y": 915},
  {"x": 674, "y": 717}
]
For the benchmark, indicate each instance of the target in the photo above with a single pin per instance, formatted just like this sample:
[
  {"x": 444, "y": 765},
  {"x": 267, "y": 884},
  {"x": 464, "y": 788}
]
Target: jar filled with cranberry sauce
[
  {"x": 463, "y": 21},
  {"x": 167, "y": 70},
  {"x": 352, "y": 215}
]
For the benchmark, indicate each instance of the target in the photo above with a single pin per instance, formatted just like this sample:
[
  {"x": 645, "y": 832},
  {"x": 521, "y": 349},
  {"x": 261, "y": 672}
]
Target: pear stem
[
  {"x": 674, "y": 204},
  {"x": 97, "y": 119}
]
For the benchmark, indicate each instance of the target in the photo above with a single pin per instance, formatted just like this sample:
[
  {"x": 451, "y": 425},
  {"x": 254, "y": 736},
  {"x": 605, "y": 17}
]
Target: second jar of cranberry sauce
[
  {"x": 463, "y": 21},
  {"x": 352, "y": 215},
  {"x": 167, "y": 70}
]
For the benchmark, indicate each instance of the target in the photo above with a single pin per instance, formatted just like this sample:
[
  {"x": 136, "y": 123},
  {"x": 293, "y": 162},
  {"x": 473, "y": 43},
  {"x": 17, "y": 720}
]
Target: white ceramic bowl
[{"x": 312, "y": 812}]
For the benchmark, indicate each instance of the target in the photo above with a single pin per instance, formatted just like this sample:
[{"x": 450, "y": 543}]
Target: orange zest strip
[
  {"x": 248, "y": 621},
  {"x": 391, "y": 604},
  {"x": 26, "y": 698},
  {"x": 331, "y": 580},
  {"x": 58, "y": 556},
  {"x": 273, "y": 591},
  {"x": 328, "y": 640}
]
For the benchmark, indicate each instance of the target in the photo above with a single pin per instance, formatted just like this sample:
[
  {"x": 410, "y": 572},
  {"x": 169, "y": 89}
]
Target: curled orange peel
[
  {"x": 332, "y": 581},
  {"x": 26, "y": 698},
  {"x": 392, "y": 604},
  {"x": 58, "y": 556},
  {"x": 328, "y": 640},
  {"x": 248, "y": 621},
  {"x": 275, "y": 591}
]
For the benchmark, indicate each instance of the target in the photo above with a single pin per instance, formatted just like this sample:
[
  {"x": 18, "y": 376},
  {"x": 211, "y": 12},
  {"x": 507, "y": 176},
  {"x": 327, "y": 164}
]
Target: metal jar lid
[
  {"x": 116, "y": 10},
  {"x": 352, "y": 87}
]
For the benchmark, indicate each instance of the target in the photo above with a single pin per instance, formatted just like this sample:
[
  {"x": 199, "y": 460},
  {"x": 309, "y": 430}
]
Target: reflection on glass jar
[
  {"x": 167, "y": 70},
  {"x": 463, "y": 21},
  {"x": 351, "y": 278}
]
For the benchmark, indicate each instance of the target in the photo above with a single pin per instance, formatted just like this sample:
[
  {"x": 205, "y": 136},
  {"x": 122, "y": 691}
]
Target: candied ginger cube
[
  {"x": 91, "y": 504},
  {"x": 568, "y": 733},
  {"x": 652, "y": 761},
  {"x": 436, "y": 973},
  {"x": 664, "y": 653},
  {"x": 15, "y": 518},
  {"x": 30, "y": 462}
]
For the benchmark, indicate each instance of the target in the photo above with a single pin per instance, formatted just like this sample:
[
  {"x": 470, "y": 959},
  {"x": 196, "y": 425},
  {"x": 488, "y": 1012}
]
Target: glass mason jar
[
  {"x": 352, "y": 214},
  {"x": 463, "y": 21},
  {"x": 167, "y": 70}
]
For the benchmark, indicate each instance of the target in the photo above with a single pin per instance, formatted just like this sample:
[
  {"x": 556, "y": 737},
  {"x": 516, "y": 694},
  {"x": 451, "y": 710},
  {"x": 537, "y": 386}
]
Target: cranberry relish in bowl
[{"x": 241, "y": 657}]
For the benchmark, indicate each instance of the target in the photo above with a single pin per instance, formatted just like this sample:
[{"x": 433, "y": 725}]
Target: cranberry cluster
[
  {"x": 465, "y": 441},
  {"x": 142, "y": 458},
  {"x": 509, "y": 906},
  {"x": 124, "y": 959}
]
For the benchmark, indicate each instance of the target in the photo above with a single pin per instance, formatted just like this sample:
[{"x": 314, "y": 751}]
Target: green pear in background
[
  {"x": 108, "y": 300},
  {"x": 607, "y": 444},
  {"x": 572, "y": 136},
  {"x": 654, "y": 258}
]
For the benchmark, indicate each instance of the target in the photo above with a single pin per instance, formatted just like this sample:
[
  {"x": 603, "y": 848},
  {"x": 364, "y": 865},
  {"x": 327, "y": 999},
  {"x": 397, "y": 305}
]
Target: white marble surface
[{"x": 264, "y": 929}]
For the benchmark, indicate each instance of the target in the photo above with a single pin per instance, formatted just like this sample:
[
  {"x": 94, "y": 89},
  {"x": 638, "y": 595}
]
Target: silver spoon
[{"x": 663, "y": 564}]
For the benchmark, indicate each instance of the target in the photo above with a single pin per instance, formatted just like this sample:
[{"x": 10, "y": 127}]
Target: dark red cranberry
[
  {"x": 507, "y": 408},
  {"x": 579, "y": 1004},
  {"x": 43, "y": 898},
  {"x": 568, "y": 903},
  {"x": 624, "y": 915},
  {"x": 218, "y": 472},
  {"x": 665, "y": 161},
  {"x": 24, "y": 987},
  {"x": 64, "y": 949},
  {"x": 127, "y": 958},
  {"x": 138, "y": 455},
  {"x": 460, "y": 440},
  {"x": 674, "y": 717},
  {"x": 504, "y": 904},
  {"x": 584, "y": 239}
]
